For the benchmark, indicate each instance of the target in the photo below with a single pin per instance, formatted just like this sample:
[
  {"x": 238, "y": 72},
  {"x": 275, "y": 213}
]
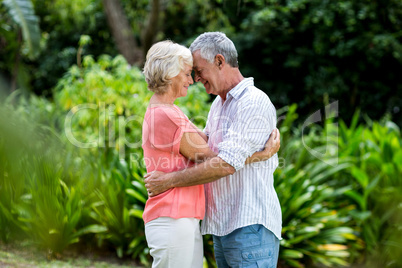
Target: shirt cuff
[{"x": 231, "y": 159}]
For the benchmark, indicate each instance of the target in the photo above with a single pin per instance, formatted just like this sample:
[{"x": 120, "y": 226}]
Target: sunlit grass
[{"x": 24, "y": 255}]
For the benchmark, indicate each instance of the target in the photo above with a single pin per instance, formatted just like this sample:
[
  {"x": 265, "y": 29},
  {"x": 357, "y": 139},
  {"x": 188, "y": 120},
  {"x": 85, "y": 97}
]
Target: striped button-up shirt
[{"x": 237, "y": 128}]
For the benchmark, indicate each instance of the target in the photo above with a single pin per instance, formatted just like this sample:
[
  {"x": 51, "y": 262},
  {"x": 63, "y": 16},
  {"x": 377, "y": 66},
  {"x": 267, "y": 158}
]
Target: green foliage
[
  {"x": 106, "y": 102},
  {"x": 23, "y": 14},
  {"x": 309, "y": 49},
  {"x": 376, "y": 187},
  {"x": 123, "y": 229},
  {"x": 35, "y": 196},
  {"x": 117, "y": 97},
  {"x": 11, "y": 181},
  {"x": 19, "y": 39},
  {"x": 344, "y": 202},
  {"x": 316, "y": 222},
  {"x": 63, "y": 22}
]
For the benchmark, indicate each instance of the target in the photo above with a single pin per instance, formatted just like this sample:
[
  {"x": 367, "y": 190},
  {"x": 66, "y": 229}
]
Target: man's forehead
[
  {"x": 197, "y": 59},
  {"x": 195, "y": 65}
]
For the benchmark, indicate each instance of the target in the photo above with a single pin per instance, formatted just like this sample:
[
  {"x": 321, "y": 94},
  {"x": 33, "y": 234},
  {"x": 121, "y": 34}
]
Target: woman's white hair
[
  {"x": 164, "y": 61},
  {"x": 211, "y": 44}
]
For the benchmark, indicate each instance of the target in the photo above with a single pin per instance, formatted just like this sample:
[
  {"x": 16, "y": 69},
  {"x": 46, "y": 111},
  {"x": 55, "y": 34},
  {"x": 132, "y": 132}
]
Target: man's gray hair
[{"x": 211, "y": 44}]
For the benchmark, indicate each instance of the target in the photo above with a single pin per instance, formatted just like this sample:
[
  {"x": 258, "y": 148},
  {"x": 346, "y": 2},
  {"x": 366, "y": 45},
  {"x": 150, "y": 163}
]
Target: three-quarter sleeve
[{"x": 247, "y": 133}]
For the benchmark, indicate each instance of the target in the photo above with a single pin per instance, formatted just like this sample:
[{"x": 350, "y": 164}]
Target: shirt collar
[{"x": 240, "y": 87}]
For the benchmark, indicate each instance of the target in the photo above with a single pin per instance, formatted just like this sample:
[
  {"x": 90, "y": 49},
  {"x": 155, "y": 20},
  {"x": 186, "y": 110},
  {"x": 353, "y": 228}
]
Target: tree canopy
[{"x": 304, "y": 52}]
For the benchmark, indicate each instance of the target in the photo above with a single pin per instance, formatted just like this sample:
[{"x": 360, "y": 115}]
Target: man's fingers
[
  {"x": 274, "y": 134},
  {"x": 148, "y": 174},
  {"x": 273, "y": 138}
]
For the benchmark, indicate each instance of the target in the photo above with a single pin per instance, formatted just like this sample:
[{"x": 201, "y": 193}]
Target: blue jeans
[{"x": 250, "y": 246}]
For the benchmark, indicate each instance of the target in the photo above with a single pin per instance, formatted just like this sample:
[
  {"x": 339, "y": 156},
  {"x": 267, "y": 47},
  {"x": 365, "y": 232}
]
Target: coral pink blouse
[{"x": 162, "y": 131}]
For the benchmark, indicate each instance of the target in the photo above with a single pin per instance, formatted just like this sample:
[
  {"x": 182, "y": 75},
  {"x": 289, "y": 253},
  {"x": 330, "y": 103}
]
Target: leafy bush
[
  {"x": 316, "y": 225},
  {"x": 376, "y": 187},
  {"x": 333, "y": 202},
  {"x": 38, "y": 196}
]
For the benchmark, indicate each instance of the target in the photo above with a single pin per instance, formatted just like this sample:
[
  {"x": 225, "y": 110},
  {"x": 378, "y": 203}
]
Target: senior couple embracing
[{"x": 222, "y": 175}]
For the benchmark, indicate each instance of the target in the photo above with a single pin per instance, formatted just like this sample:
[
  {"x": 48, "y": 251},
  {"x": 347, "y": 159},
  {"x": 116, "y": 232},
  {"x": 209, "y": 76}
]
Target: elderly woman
[{"x": 171, "y": 143}]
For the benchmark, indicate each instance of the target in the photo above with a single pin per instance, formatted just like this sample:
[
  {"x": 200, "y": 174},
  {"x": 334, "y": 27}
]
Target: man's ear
[{"x": 220, "y": 61}]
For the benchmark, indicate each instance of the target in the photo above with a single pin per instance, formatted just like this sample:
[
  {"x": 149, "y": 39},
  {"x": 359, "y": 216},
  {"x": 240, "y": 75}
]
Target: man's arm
[
  {"x": 271, "y": 147},
  {"x": 194, "y": 147},
  {"x": 215, "y": 168},
  {"x": 212, "y": 169}
]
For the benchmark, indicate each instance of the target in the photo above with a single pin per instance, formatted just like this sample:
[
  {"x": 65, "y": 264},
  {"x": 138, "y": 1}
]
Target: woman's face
[{"x": 182, "y": 81}]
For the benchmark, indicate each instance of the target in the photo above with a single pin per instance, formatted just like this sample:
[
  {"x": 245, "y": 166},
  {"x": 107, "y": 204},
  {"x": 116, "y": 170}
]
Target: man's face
[{"x": 207, "y": 73}]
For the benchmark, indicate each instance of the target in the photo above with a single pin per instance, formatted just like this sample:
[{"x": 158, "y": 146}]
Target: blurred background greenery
[{"x": 72, "y": 100}]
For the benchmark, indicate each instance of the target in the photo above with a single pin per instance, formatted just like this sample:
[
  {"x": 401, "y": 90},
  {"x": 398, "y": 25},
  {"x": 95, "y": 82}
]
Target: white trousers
[{"x": 175, "y": 243}]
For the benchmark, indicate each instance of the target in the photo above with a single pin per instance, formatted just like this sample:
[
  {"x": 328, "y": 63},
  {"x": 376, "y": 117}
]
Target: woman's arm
[
  {"x": 157, "y": 182},
  {"x": 194, "y": 147}
]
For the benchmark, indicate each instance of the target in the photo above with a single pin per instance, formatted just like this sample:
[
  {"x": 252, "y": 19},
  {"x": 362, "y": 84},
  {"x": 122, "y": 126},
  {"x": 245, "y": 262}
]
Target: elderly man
[{"x": 242, "y": 208}]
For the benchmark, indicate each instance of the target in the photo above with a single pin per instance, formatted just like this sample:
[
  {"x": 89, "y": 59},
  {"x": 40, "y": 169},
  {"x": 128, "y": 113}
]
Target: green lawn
[{"x": 25, "y": 255}]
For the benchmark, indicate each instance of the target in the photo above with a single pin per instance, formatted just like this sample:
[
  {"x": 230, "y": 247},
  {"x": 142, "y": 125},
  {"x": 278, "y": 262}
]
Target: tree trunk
[
  {"x": 122, "y": 32},
  {"x": 152, "y": 27}
]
